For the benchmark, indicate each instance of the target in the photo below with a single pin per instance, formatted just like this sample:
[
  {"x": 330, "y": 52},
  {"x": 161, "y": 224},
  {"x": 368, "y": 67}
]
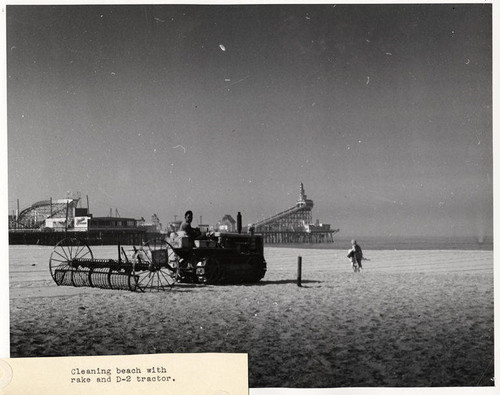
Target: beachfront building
[
  {"x": 116, "y": 223},
  {"x": 153, "y": 226},
  {"x": 226, "y": 224}
]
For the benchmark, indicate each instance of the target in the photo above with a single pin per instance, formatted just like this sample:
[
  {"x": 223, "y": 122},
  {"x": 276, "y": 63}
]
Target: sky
[{"x": 383, "y": 112}]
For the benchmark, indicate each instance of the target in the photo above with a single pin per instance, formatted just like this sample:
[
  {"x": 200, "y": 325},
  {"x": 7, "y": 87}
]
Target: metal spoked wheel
[
  {"x": 63, "y": 268},
  {"x": 157, "y": 268}
]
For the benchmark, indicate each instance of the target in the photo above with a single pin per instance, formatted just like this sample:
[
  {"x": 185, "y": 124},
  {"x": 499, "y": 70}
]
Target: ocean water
[{"x": 401, "y": 243}]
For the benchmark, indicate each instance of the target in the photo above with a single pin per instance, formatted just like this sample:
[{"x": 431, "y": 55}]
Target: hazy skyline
[{"x": 382, "y": 111}]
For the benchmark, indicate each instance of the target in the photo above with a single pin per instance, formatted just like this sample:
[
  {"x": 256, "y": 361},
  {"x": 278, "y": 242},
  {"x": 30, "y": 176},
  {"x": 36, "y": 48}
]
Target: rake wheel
[
  {"x": 61, "y": 263},
  {"x": 157, "y": 267}
]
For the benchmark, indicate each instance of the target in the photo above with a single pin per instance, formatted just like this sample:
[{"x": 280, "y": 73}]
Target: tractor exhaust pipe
[{"x": 238, "y": 222}]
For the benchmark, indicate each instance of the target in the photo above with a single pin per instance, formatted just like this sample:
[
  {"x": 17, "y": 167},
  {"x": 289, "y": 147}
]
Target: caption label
[{"x": 154, "y": 374}]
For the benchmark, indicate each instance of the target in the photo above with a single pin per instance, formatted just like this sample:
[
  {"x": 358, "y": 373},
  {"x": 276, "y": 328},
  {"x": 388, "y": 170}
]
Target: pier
[{"x": 294, "y": 225}]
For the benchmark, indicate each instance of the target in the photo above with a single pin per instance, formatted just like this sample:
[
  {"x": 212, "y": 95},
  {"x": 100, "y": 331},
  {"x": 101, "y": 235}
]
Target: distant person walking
[{"x": 356, "y": 254}]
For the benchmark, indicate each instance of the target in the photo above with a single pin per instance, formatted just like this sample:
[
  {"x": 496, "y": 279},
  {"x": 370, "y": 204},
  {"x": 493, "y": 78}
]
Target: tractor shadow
[
  {"x": 186, "y": 287},
  {"x": 281, "y": 282}
]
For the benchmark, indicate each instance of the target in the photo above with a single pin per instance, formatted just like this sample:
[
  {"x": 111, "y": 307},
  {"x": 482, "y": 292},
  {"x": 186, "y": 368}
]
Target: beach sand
[{"x": 410, "y": 319}]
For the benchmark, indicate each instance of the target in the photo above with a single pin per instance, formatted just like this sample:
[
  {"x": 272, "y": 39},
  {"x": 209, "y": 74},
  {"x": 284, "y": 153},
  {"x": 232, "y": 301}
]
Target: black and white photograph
[{"x": 310, "y": 184}]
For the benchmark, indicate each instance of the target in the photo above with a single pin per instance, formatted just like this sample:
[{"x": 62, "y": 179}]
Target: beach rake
[{"x": 152, "y": 268}]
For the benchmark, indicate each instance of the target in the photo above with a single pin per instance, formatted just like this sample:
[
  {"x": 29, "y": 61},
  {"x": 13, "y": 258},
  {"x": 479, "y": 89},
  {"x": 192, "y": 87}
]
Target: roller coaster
[
  {"x": 34, "y": 216},
  {"x": 294, "y": 225}
]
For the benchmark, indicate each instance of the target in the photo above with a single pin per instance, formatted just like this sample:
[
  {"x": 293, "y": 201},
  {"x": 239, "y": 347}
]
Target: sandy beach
[{"x": 412, "y": 318}]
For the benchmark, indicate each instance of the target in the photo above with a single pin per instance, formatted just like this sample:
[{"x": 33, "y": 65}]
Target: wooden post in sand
[{"x": 299, "y": 271}]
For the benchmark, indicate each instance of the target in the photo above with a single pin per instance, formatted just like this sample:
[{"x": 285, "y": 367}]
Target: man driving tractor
[{"x": 192, "y": 233}]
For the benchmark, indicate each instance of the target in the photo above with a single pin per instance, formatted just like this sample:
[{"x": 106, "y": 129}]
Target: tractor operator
[{"x": 192, "y": 233}]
